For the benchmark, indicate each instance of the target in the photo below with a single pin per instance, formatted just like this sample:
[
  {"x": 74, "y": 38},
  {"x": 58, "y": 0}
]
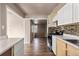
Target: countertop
[
  {"x": 69, "y": 39},
  {"x": 6, "y": 44}
]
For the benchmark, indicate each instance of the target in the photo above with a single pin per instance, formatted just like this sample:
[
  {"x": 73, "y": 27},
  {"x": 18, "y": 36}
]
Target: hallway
[{"x": 37, "y": 48}]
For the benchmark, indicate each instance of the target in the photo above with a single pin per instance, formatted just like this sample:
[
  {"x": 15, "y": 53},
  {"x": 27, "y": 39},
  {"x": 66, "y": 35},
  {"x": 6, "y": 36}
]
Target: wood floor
[{"x": 37, "y": 48}]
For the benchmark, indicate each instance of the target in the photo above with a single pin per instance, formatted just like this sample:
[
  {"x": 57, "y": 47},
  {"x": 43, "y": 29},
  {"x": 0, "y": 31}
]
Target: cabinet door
[
  {"x": 72, "y": 51},
  {"x": 49, "y": 23},
  {"x": 76, "y": 12},
  {"x": 61, "y": 48},
  {"x": 18, "y": 49},
  {"x": 65, "y": 14},
  {"x": 55, "y": 17},
  {"x": 68, "y": 13},
  {"x": 60, "y": 16}
]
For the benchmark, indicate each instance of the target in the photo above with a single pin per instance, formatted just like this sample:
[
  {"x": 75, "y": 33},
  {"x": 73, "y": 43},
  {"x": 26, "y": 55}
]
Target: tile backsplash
[
  {"x": 71, "y": 29},
  {"x": 53, "y": 29},
  {"x": 68, "y": 29}
]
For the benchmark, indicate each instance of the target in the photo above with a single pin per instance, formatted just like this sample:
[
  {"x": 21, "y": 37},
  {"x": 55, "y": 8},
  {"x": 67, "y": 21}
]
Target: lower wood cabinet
[
  {"x": 65, "y": 49},
  {"x": 61, "y": 48},
  {"x": 72, "y": 51}
]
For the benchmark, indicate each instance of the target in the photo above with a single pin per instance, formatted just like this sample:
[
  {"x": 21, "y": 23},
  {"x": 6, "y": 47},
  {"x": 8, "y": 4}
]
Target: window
[{"x": 34, "y": 28}]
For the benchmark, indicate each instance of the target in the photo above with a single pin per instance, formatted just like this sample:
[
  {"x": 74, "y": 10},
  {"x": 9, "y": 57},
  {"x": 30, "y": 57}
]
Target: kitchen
[
  {"x": 62, "y": 29},
  {"x": 67, "y": 18}
]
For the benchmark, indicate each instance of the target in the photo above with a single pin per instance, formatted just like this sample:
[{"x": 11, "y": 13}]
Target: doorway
[
  {"x": 38, "y": 46},
  {"x": 38, "y": 28}
]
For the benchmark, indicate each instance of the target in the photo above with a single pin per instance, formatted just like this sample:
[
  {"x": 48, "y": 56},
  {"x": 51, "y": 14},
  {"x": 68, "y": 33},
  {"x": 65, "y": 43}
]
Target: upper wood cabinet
[
  {"x": 75, "y": 12},
  {"x": 60, "y": 16},
  {"x": 55, "y": 18},
  {"x": 51, "y": 23},
  {"x": 65, "y": 14},
  {"x": 68, "y": 14}
]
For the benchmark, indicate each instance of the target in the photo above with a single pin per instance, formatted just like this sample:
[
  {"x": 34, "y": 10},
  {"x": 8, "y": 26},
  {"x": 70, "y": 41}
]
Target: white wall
[
  {"x": 3, "y": 20},
  {"x": 18, "y": 27},
  {"x": 15, "y": 26},
  {"x": 27, "y": 31}
]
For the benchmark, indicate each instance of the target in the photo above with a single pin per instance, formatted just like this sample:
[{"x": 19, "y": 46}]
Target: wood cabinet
[
  {"x": 51, "y": 19},
  {"x": 61, "y": 48},
  {"x": 51, "y": 23},
  {"x": 55, "y": 18},
  {"x": 65, "y": 14},
  {"x": 68, "y": 14},
  {"x": 60, "y": 16},
  {"x": 18, "y": 49},
  {"x": 65, "y": 49},
  {"x": 75, "y": 12},
  {"x": 72, "y": 51}
]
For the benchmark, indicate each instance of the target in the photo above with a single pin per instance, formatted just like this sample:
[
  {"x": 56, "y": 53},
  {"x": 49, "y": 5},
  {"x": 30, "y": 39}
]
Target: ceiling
[
  {"x": 43, "y": 9},
  {"x": 42, "y": 22}
]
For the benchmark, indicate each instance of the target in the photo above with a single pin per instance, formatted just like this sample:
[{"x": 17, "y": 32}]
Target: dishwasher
[{"x": 54, "y": 43}]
